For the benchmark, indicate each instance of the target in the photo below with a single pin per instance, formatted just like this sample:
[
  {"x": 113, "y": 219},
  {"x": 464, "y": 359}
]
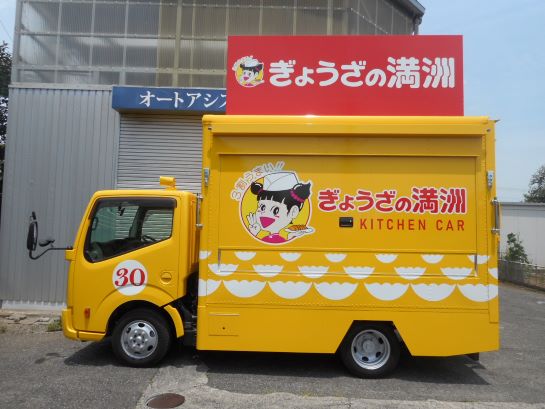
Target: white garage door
[{"x": 159, "y": 145}]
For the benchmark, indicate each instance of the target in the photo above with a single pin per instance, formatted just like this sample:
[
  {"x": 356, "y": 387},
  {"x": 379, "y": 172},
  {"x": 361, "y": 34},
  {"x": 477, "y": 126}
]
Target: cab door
[{"x": 129, "y": 251}]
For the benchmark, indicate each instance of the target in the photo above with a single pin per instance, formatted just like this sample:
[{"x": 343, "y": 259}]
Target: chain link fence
[{"x": 528, "y": 275}]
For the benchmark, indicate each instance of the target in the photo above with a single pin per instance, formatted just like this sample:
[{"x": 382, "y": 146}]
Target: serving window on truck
[
  {"x": 399, "y": 203},
  {"x": 410, "y": 205}
]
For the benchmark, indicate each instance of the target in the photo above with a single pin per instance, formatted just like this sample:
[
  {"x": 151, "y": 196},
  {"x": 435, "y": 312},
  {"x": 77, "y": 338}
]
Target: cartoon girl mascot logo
[
  {"x": 248, "y": 71},
  {"x": 277, "y": 209}
]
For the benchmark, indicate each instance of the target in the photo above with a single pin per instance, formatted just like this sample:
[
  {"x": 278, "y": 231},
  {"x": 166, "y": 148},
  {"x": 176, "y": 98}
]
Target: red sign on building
[{"x": 345, "y": 75}]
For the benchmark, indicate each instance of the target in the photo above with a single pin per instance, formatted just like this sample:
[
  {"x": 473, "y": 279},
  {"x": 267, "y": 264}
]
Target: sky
[
  {"x": 7, "y": 18},
  {"x": 504, "y": 75}
]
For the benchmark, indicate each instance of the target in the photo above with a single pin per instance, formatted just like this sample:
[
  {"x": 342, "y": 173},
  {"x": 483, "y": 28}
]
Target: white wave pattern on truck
[
  {"x": 336, "y": 291},
  {"x": 410, "y": 273},
  {"x": 289, "y": 290},
  {"x": 208, "y": 287},
  {"x": 204, "y": 254},
  {"x": 290, "y": 257},
  {"x": 267, "y": 270},
  {"x": 479, "y": 292},
  {"x": 387, "y": 291},
  {"x": 456, "y": 273},
  {"x": 223, "y": 269},
  {"x": 313, "y": 271},
  {"x": 386, "y": 258},
  {"x": 359, "y": 272},
  {"x": 335, "y": 257},
  {"x": 245, "y": 255},
  {"x": 481, "y": 258},
  {"x": 493, "y": 272},
  {"x": 433, "y": 292},
  {"x": 244, "y": 288},
  {"x": 432, "y": 258}
]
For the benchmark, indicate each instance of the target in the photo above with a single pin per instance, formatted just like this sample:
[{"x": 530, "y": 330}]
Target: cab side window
[
  {"x": 119, "y": 226},
  {"x": 157, "y": 224}
]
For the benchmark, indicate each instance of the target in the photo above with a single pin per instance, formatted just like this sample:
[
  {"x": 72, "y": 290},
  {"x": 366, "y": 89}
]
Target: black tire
[
  {"x": 141, "y": 338},
  {"x": 380, "y": 355}
]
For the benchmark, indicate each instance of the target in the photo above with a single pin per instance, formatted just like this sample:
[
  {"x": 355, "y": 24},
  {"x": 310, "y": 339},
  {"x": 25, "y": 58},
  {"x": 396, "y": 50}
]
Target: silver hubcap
[
  {"x": 139, "y": 339},
  {"x": 370, "y": 349}
]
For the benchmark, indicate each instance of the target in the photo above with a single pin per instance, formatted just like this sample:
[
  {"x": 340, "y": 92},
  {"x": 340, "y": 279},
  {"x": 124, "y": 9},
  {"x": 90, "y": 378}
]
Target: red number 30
[{"x": 135, "y": 277}]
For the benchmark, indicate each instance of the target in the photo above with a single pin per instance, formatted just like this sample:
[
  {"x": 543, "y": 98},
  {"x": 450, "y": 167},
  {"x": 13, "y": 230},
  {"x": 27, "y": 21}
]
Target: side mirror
[
  {"x": 46, "y": 242},
  {"x": 32, "y": 236},
  {"x": 32, "y": 240}
]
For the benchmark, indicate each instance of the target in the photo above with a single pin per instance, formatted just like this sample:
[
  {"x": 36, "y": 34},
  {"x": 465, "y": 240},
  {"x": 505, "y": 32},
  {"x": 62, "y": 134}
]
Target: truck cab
[{"x": 130, "y": 270}]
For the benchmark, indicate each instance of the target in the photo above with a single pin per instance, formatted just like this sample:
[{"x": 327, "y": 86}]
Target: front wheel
[
  {"x": 141, "y": 338},
  {"x": 370, "y": 351}
]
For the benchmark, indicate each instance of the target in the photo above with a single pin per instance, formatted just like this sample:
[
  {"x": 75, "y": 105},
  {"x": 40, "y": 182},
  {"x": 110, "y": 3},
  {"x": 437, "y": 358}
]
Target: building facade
[
  {"x": 527, "y": 221},
  {"x": 72, "y": 129},
  {"x": 175, "y": 43}
]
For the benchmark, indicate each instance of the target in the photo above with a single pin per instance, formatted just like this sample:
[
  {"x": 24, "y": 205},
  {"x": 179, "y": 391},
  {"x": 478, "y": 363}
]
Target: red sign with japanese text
[{"x": 345, "y": 75}]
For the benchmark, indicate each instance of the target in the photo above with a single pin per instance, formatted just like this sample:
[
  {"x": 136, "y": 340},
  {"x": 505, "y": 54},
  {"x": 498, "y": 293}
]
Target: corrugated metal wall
[
  {"x": 152, "y": 145},
  {"x": 61, "y": 147}
]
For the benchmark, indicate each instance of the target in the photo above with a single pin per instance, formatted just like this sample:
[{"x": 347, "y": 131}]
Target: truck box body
[{"x": 313, "y": 223}]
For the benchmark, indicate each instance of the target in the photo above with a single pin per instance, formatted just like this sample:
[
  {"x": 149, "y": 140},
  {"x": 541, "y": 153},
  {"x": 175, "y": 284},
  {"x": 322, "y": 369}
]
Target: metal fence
[{"x": 528, "y": 275}]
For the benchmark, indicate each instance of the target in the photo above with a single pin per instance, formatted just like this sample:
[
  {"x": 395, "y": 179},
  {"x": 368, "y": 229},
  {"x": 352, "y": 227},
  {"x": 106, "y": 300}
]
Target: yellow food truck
[{"x": 312, "y": 234}]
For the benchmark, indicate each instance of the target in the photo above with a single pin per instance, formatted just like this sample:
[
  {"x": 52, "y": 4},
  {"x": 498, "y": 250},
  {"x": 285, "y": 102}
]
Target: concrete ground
[{"x": 40, "y": 369}]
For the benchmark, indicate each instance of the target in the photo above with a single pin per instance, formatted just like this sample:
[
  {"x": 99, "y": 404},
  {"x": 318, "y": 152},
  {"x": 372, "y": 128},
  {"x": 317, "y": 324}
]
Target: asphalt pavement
[{"x": 40, "y": 369}]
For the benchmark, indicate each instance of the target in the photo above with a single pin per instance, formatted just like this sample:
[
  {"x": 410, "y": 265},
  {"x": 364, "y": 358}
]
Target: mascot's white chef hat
[
  {"x": 250, "y": 62},
  {"x": 279, "y": 181}
]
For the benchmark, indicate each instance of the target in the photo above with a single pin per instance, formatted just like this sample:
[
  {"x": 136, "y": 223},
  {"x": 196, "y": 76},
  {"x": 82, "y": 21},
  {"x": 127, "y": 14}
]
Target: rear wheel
[
  {"x": 141, "y": 337},
  {"x": 370, "y": 351}
]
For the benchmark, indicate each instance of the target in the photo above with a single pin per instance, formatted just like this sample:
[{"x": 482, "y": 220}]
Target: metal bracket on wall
[
  {"x": 490, "y": 178},
  {"x": 206, "y": 175}
]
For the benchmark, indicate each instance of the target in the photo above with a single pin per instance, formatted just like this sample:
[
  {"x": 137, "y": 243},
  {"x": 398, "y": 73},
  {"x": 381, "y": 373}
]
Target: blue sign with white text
[{"x": 169, "y": 99}]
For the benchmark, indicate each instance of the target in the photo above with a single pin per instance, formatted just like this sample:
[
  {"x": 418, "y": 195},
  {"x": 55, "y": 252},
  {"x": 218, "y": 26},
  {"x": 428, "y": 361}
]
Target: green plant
[
  {"x": 515, "y": 249},
  {"x": 54, "y": 325},
  {"x": 536, "y": 189},
  {"x": 5, "y": 78}
]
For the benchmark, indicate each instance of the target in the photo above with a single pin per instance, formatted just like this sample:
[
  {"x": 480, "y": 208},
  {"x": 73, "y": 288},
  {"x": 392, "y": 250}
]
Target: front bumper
[
  {"x": 70, "y": 332},
  {"x": 67, "y": 325}
]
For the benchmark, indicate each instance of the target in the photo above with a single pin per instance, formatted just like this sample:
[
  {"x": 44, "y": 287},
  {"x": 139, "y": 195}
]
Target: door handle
[{"x": 496, "y": 229}]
